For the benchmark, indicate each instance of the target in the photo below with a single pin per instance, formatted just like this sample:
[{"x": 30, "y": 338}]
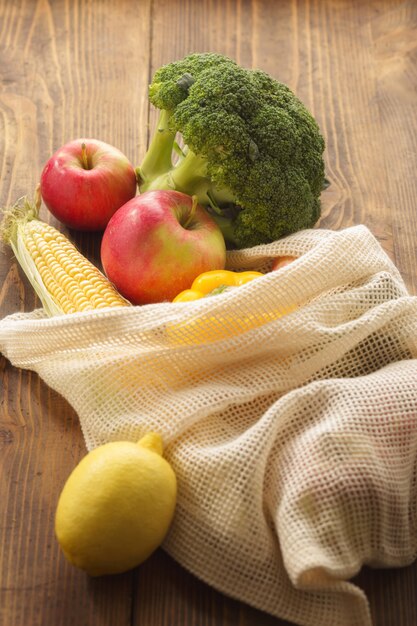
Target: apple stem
[
  {"x": 84, "y": 157},
  {"x": 192, "y": 212}
]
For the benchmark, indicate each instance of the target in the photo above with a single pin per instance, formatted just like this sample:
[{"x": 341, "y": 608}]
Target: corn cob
[{"x": 64, "y": 280}]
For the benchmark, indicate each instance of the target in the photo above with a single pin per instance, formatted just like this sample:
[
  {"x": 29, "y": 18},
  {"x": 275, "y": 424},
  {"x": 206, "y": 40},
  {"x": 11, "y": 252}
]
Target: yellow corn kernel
[
  {"x": 63, "y": 278},
  {"x": 72, "y": 281}
]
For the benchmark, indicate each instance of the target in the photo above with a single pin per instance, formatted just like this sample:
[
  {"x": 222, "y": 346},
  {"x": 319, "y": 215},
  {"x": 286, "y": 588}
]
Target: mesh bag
[{"x": 288, "y": 408}]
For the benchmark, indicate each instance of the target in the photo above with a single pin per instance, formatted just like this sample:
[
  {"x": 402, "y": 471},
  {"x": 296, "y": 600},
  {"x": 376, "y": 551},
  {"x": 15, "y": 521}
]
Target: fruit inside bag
[{"x": 292, "y": 431}]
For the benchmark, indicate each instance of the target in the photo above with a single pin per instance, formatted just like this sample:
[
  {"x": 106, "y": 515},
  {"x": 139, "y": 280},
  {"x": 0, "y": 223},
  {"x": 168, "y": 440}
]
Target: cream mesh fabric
[{"x": 289, "y": 412}]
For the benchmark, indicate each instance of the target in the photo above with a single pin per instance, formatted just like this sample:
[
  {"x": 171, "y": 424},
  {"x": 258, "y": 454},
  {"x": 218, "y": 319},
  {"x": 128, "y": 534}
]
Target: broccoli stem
[
  {"x": 158, "y": 158},
  {"x": 189, "y": 175}
]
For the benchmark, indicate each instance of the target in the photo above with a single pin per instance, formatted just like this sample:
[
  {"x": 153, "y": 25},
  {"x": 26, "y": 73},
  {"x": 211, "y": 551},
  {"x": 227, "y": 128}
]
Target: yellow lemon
[{"x": 116, "y": 506}]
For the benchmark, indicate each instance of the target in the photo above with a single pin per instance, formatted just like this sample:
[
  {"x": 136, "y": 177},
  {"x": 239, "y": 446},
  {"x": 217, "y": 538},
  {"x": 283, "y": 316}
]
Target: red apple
[
  {"x": 85, "y": 182},
  {"x": 281, "y": 261},
  {"x": 157, "y": 243}
]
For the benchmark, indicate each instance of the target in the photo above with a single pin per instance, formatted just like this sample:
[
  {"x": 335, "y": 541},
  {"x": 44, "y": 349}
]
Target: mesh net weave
[{"x": 288, "y": 409}]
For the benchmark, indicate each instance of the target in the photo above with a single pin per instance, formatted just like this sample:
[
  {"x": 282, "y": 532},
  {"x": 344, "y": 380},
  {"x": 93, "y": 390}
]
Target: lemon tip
[{"x": 152, "y": 441}]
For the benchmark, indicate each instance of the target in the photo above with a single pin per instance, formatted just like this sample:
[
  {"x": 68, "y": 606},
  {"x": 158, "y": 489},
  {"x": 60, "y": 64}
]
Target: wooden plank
[
  {"x": 66, "y": 69},
  {"x": 329, "y": 53},
  {"x": 391, "y": 594},
  {"x": 394, "y": 36},
  {"x": 168, "y": 595},
  {"x": 40, "y": 442}
]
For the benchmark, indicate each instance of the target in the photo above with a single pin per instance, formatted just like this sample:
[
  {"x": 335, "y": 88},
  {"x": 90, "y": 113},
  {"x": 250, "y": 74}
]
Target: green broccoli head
[{"x": 253, "y": 155}]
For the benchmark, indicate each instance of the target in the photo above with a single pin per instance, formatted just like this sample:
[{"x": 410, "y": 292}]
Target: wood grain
[{"x": 71, "y": 68}]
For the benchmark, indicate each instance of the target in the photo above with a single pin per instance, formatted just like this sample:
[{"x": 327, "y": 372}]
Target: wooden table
[{"x": 81, "y": 68}]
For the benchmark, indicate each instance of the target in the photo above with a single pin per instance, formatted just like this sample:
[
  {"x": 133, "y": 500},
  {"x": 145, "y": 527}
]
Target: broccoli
[{"x": 246, "y": 146}]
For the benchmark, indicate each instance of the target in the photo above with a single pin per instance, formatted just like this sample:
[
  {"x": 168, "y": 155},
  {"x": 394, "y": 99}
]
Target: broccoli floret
[{"x": 245, "y": 145}]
